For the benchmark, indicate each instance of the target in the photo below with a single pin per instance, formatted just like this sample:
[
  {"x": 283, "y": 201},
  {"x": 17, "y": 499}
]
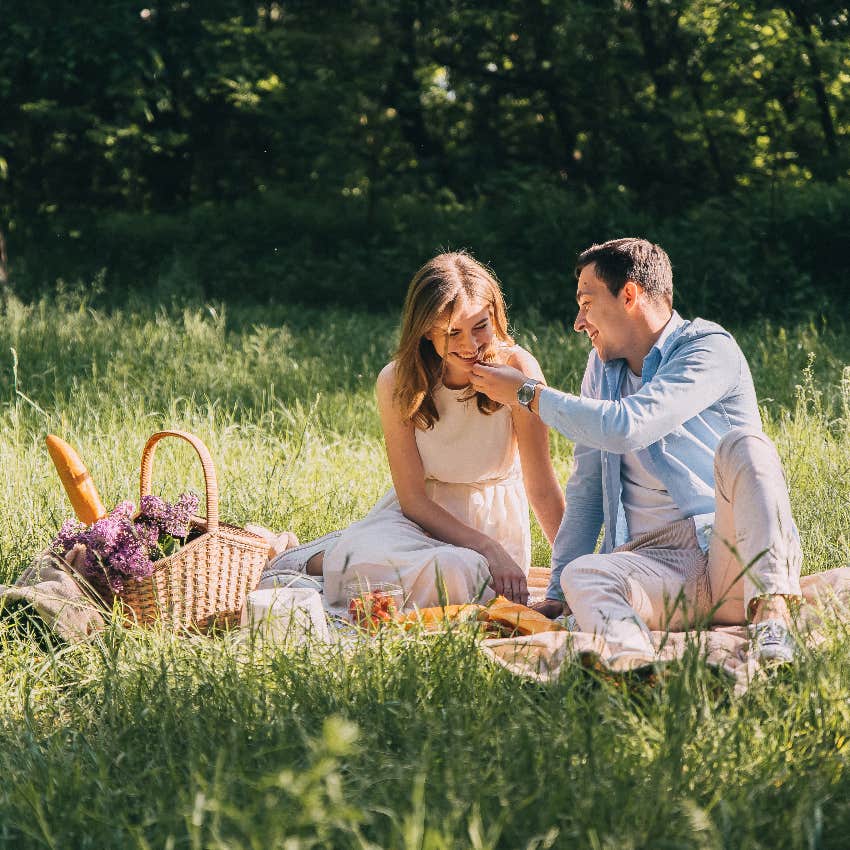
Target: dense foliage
[{"x": 331, "y": 140}]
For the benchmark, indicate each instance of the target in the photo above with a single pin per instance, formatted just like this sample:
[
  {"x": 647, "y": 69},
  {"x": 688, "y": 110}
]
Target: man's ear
[{"x": 629, "y": 293}]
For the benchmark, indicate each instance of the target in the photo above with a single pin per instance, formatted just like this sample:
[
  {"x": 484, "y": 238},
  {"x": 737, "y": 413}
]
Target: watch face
[{"x": 526, "y": 393}]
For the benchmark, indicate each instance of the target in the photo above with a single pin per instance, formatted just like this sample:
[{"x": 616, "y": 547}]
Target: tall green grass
[{"x": 140, "y": 739}]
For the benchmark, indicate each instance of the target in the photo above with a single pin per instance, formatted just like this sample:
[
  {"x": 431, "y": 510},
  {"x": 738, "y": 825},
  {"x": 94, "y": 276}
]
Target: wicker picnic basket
[{"x": 205, "y": 582}]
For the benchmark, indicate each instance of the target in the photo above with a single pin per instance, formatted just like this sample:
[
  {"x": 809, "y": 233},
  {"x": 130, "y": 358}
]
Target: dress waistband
[{"x": 514, "y": 477}]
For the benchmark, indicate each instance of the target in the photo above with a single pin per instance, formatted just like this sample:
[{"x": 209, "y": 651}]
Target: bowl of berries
[{"x": 372, "y": 603}]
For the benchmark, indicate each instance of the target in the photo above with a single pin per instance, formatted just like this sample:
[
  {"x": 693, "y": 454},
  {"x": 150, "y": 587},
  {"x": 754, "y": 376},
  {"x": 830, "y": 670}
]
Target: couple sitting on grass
[{"x": 670, "y": 460}]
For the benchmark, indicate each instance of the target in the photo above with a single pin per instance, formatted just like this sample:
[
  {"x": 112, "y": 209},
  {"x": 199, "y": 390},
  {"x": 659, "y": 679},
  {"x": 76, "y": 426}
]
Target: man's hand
[
  {"x": 497, "y": 382},
  {"x": 550, "y": 608}
]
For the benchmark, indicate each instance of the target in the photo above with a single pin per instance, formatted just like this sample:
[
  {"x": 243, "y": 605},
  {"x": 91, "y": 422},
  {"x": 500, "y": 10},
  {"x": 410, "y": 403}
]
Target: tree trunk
[
  {"x": 403, "y": 90},
  {"x": 693, "y": 83},
  {"x": 799, "y": 16},
  {"x": 5, "y": 284},
  {"x": 656, "y": 50},
  {"x": 543, "y": 20},
  {"x": 658, "y": 38},
  {"x": 724, "y": 178}
]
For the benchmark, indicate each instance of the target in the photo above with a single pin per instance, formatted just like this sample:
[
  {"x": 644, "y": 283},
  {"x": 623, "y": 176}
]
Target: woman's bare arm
[
  {"x": 408, "y": 476},
  {"x": 541, "y": 484}
]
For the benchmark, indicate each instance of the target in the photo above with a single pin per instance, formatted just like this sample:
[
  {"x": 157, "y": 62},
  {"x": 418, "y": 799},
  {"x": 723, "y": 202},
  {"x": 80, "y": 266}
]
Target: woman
[{"x": 454, "y": 527}]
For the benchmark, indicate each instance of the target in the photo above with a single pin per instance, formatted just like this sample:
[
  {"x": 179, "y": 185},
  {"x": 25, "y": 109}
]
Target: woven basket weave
[{"x": 205, "y": 582}]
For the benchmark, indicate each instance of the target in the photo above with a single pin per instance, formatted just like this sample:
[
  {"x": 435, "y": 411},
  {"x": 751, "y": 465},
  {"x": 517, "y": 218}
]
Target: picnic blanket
[
  {"x": 52, "y": 590},
  {"x": 542, "y": 657}
]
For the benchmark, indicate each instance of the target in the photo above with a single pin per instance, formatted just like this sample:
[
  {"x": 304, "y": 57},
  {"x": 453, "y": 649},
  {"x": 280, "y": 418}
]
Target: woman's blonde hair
[{"x": 441, "y": 285}]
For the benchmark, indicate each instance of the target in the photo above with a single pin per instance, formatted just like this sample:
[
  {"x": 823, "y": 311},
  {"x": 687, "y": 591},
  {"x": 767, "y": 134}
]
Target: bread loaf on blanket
[
  {"x": 514, "y": 616},
  {"x": 525, "y": 620}
]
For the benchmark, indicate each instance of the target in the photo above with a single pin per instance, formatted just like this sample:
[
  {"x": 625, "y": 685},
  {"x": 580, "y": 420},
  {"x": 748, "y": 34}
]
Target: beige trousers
[{"x": 663, "y": 580}]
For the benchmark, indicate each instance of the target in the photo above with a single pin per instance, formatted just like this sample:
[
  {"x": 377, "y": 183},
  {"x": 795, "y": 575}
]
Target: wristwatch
[{"x": 525, "y": 394}]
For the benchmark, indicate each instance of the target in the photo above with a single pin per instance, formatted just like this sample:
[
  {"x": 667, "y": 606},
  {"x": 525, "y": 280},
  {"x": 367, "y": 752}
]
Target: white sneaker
[
  {"x": 771, "y": 641},
  {"x": 568, "y": 621}
]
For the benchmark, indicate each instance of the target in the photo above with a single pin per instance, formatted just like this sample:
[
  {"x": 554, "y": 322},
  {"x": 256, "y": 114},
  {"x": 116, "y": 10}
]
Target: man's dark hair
[{"x": 619, "y": 260}]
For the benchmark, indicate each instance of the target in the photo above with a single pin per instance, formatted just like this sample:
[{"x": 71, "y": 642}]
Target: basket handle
[{"x": 210, "y": 480}]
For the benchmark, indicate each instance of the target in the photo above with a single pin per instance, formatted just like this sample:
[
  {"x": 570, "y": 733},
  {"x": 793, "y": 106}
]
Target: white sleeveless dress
[{"x": 472, "y": 470}]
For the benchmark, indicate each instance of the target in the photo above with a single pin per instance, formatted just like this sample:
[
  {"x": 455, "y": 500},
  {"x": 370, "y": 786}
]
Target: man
[{"x": 670, "y": 459}]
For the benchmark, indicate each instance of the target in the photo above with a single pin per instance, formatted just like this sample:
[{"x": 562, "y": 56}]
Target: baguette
[
  {"x": 76, "y": 480},
  {"x": 514, "y": 617},
  {"x": 524, "y": 620}
]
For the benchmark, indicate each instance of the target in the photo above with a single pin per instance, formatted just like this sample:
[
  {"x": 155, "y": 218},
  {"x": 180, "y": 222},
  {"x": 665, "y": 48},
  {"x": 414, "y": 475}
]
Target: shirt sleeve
[
  {"x": 700, "y": 373},
  {"x": 583, "y": 516}
]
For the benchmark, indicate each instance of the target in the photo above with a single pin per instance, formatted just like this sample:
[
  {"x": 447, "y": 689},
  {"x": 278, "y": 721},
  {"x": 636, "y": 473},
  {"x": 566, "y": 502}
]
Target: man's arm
[
  {"x": 694, "y": 379},
  {"x": 583, "y": 517},
  {"x": 700, "y": 373}
]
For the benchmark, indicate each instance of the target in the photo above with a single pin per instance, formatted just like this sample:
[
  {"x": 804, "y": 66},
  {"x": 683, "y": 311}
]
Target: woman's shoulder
[
  {"x": 385, "y": 385},
  {"x": 387, "y": 375},
  {"x": 521, "y": 359}
]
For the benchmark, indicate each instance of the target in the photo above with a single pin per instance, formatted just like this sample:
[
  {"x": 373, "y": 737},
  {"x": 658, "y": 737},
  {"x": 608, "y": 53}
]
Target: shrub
[{"x": 777, "y": 252}]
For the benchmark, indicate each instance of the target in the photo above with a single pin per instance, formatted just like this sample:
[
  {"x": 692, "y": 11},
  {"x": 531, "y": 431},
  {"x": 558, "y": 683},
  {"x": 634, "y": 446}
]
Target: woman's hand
[{"x": 508, "y": 578}]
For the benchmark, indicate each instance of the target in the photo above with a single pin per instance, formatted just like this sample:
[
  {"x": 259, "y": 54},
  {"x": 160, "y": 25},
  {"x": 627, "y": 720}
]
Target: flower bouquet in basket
[
  {"x": 164, "y": 562},
  {"x": 123, "y": 546}
]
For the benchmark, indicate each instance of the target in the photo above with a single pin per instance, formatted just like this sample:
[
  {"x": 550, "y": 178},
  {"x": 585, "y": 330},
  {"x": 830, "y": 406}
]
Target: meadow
[{"x": 139, "y": 739}]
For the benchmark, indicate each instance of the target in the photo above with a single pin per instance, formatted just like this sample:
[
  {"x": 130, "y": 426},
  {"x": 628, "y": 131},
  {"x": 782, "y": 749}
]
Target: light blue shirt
[{"x": 696, "y": 387}]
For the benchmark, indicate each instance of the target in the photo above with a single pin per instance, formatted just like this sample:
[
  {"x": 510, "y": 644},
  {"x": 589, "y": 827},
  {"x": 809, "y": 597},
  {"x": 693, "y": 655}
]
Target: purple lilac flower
[
  {"x": 153, "y": 509},
  {"x": 102, "y": 536},
  {"x": 130, "y": 556},
  {"x": 98, "y": 573},
  {"x": 91, "y": 565},
  {"x": 119, "y": 547},
  {"x": 147, "y": 532},
  {"x": 66, "y": 538},
  {"x": 123, "y": 509},
  {"x": 180, "y": 515},
  {"x": 171, "y": 519}
]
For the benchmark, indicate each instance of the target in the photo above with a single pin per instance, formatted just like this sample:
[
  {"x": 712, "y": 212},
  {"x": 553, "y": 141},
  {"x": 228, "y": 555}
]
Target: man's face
[{"x": 601, "y": 315}]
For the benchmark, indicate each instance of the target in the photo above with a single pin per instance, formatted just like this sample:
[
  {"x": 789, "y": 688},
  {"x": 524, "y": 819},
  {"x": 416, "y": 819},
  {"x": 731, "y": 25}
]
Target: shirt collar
[
  {"x": 662, "y": 345},
  {"x": 614, "y": 368},
  {"x": 673, "y": 324}
]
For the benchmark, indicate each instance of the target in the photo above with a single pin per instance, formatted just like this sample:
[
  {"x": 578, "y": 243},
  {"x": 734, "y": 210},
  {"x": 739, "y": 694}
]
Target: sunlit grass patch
[{"x": 141, "y": 739}]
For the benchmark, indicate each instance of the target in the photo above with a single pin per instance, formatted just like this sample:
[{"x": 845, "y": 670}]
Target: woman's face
[{"x": 462, "y": 338}]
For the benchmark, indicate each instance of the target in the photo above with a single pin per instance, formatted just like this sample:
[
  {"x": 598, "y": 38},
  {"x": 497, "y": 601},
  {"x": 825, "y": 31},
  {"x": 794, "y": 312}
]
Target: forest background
[
  {"x": 209, "y": 212},
  {"x": 318, "y": 152}
]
